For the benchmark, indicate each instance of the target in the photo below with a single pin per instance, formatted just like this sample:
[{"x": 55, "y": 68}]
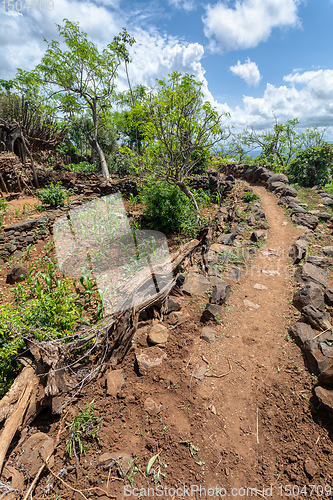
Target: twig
[
  {"x": 222, "y": 374},
  {"x": 234, "y": 361},
  {"x": 327, "y": 330},
  {"x": 74, "y": 489},
  {"x": 257, "y": 425}
]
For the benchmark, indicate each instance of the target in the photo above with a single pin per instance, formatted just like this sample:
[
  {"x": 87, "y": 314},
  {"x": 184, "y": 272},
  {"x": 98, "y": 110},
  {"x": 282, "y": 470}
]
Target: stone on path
[
  {"x": 151, "y": 407},
  {"x": 199, "y": 372},
  {"x": 258, "y": 286},
  {"x": 220, "y": 293},
  {"x": 212, "y": 312},
  {"x": 35, "y": 451},
  {"x": 270, "y": 272},
  {"x": 250, "y": 305},
  {"x": 208, "y": 334}
]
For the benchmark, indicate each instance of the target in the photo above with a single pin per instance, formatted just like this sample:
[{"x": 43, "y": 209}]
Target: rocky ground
[{"x": 223, "y": 393}]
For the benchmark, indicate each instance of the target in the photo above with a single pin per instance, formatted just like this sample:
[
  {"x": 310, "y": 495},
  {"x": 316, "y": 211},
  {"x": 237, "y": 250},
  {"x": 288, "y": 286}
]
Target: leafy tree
[
  {"x": 278, "y": 146},
  {"x": 313, "y": 165},
  {"x": 177, "y": 122},
  {"x": 81, "y": 78}
]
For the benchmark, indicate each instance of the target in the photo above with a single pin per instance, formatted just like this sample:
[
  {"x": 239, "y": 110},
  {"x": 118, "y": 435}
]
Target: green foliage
[
  {"x": 200, "y": 158},
  {"x": 124, "y": 162},
  {"x": 165, "y": 206},
  {"x": 11, "y": 321},
  {"x": 54, "y": 195},
  {"x": 312, "y": 166},
  {"x": 84, "y": 429},
  {"x": 328, "y": 188},
  {"x": 278, "y": 146},
  {"x": 177, "y": 122},
  {"x": 47, "y": 306},
  {"x": 168, "y": 209},
  {"x": 80, "y": 78},
  {"x": 83, "y": 166},
  {"x": 248, "y": 197}
]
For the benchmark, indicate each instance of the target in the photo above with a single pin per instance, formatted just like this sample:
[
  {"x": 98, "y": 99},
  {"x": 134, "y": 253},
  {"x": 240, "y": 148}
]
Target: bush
[
  {"x": 54, "y": 195},
  {"x": 312, "y": 166},
  {"x": 46, "y": 308},
  {"x": 248, "y": 197},
  {"x": 83, "y": 166},
  {"x": 166, "y": 206}
]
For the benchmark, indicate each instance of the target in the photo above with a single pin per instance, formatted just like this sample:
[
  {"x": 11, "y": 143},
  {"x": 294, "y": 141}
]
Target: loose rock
[
  {"x": 212, "y": 312},
  {"x": 195, "y": 284},
  {"x": 17, "y": 273},
  {"x": 311, "y": 294},
  {"x": 115, "y": 382},
  {"x": 149, "y": 358},
  {"x": 158, "y": 334},
  {"x": 220, "y": 294},
  {"x": 308, "y": 273},
  {"x": 208, "y": 334}
]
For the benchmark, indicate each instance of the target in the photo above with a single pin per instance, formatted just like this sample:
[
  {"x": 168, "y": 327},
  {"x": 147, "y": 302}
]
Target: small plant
[
  {"x": 193, "y": 449},
  {"x": 156, "y": 473},
  {"x": 83, "y": 166},
  {"x": 248, "y": 197},
  {"x": 85, "y": 427},
  {"x": 54, "y": 195}
]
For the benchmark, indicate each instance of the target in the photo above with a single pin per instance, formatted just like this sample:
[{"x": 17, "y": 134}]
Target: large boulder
[
  {"x": 307, "y": 273},
  {"x": 17, "y": 273},
  {"x": 220, "y": 294},
  {"x": 286, "y": 191},
  {"x": 328, "y": 251},
  {"x": 305, "y": 219},
  {"x": 278, "y": 178},
  {"x": 310, "y": 294},
  {"x": 301, "y": 332},
  {"x": 195, "y": 284},
  {"x": 317, "y": 318},
  {"x": 323, "y": 262}
]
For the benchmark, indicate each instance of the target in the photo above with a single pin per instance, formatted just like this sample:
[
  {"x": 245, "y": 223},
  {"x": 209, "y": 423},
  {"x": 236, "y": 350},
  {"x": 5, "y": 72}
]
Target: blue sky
[{"x": 256, "y": 58}]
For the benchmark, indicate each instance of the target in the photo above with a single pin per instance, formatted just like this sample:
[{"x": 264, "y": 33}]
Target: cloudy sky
[{"x": 257, "y": 58}]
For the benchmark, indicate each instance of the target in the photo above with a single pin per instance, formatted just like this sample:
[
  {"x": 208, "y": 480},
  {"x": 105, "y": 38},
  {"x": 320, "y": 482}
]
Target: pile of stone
[
  {"x": 16, "y": 237},
  {"x": 313, "y": 332}
]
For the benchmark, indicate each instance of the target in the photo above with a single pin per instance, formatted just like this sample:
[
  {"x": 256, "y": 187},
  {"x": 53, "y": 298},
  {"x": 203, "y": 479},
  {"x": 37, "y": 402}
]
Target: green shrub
[
  {"x": 165, "y": 206},
  {"x": 54, "y": 195},
  {"x": 83, "y": 166},
  {"x": 46, "y": 307},
  {"x": 248, "y": 197},
  {"x": 201, "y": 156},
  {"x": 328, "y": 188},
  {"x": 312, "y": 166}
]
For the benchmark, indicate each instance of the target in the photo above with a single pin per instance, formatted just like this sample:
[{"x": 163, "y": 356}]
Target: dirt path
[{"x": 255, "y": 338}]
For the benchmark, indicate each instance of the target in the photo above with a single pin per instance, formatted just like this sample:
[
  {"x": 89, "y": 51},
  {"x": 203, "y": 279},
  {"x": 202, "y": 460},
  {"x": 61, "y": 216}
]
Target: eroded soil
[{"x": 252, "y": 422}]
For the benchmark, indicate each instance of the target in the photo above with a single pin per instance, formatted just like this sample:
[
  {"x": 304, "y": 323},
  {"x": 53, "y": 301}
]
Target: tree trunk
[
  {"x": 94, "y": 143},
  {"x": 182, "y": 186}
]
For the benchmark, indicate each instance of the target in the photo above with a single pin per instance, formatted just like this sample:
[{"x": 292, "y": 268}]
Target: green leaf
[{"x": 151, "y": 463}]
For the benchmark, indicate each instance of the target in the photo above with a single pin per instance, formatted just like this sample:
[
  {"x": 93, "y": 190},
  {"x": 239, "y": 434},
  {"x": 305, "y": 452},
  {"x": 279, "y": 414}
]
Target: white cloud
[
  {"x": 311, "y": 102},
  {"x": 186, "y": 5},
  {"x": 249, "y": 71},
  {"x": 248, "y": 23}
]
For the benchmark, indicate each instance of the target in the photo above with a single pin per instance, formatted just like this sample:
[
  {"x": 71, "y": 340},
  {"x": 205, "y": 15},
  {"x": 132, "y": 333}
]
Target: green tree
[
  {"x": 312, "y": 166},
  {"x": 278, "y": 146},
  {"x": 176, "y": 122},
  {"x": 81, "y": 78}
]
